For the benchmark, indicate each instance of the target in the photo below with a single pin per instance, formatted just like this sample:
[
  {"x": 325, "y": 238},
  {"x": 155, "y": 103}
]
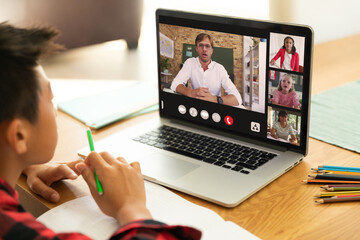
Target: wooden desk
[{"x": 285, "y": 209}]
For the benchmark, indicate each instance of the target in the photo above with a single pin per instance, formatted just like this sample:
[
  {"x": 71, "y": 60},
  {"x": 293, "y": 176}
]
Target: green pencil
[{"x": 91, "y": 144}]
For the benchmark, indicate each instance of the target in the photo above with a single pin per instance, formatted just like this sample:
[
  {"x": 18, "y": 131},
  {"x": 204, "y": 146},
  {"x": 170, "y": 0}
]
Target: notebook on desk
[
  {"x": 226, "y": 147},
  {"x": 99, "y": 110}
]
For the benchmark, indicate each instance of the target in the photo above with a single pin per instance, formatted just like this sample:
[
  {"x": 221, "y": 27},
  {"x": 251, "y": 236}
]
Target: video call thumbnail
[
  {"x": 285, "y": 89},
  {"x": 287, "y": 52},
  {"x": 284, "y": 125}
]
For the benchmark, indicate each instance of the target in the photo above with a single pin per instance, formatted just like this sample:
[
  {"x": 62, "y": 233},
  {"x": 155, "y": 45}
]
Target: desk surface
[{"x": 285, "y": 209}]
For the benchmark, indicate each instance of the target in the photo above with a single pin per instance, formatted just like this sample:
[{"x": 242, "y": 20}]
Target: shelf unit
[{"x": 254, "y": 78}]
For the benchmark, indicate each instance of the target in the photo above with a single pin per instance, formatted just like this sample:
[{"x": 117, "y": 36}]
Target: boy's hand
[
  {"x": 41, "y": 176},
  {"x": 124, "y": 190}
]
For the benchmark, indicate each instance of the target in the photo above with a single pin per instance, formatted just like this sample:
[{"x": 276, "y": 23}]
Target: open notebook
[{"x": 83, "y": 215}]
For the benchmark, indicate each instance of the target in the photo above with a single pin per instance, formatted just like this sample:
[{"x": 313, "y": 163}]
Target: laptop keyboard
[{"x": 220, "y": 153}]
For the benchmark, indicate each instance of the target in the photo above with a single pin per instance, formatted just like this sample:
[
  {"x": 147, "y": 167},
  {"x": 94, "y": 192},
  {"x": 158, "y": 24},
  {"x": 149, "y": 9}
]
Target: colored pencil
[
  {"x": 335, "y": 177},
  {"x": 340, "y": 185},
  {"x": 345, "y": 196},
  {"x": 331, "y": 200},
  {"x": 330, "y": 194},
  {"x": 334, "y": 189},
  {"x": 338, "y": 168},
  {"x": 92, "y": 148},
  {"x": 324, "y": 181},
  {"x": 340, "y": 172}
]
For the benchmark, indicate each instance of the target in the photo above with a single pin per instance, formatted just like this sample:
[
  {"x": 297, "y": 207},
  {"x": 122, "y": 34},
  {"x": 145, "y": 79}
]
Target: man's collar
[{"x": 211, "y": 64}]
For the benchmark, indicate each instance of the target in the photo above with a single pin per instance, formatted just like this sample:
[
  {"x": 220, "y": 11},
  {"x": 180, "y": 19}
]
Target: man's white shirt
[{"x": 213, "y": 78}]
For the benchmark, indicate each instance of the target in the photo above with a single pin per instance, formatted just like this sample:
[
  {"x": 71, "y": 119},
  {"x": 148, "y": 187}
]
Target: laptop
[{"x": 250, "y": 124}]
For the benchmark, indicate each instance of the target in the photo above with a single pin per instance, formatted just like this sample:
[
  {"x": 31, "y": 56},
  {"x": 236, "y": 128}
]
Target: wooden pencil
[
  {"x": 330, "y": 194},
  {"x": 324, "y": 181},
  {"x": 344, "y": 196},
  {"x": 340, "y": 172},
  {"x": 332, "y": 200},
  {"x": 337, "y": 168},
  {"x": 340, "y": 185},
  {"x": 332, "y": 189},
  {"x": 330, "y": 176}
]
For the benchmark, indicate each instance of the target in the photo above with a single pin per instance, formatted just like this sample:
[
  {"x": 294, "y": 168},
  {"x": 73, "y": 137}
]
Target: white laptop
[{"x": 223, "y": 151}]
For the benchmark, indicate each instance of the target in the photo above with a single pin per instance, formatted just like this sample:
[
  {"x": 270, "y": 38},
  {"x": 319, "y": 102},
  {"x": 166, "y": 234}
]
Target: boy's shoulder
[{"x": 6, "y": 191}]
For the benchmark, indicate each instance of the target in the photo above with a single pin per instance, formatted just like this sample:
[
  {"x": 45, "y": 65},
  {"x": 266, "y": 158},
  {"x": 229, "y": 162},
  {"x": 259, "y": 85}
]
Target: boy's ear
[{"x": 17, "y": 135}]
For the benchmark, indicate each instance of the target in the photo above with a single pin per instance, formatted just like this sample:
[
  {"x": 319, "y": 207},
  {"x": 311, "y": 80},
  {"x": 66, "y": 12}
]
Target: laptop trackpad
[{"x": 160, "y": 166}]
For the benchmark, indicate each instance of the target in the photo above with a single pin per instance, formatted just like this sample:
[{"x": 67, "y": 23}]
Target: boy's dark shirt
[{"x": 16, "y": 223}]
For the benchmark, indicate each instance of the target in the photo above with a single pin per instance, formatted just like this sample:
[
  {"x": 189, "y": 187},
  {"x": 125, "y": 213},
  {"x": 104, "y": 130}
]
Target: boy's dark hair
[
  {"x": 20, "y": 50},
  {"x": 201, "y": 36}
]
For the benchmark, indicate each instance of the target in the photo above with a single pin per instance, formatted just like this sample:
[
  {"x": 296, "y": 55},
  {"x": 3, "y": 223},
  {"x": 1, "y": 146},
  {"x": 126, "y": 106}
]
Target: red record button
[{"x": 229, "y": 120}]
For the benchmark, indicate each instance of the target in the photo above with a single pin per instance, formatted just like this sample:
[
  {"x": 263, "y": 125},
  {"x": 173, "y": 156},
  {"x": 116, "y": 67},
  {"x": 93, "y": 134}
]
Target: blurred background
[{"x": 115, "y": 39}]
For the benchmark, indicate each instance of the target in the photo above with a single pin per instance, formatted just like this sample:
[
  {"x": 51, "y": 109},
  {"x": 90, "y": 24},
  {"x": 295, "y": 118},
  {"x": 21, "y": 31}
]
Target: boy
[{"x": 28, "y": 137}]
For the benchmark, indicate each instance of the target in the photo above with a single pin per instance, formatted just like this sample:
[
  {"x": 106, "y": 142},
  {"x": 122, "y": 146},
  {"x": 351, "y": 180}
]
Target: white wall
[
  {"x": 257, "y": 9},
  {"x": 12, "y": 10},
  {"x": 330, "y": 19}
]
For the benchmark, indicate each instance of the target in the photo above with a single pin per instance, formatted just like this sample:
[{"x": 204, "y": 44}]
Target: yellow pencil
[{"x": 330, "y": 194}]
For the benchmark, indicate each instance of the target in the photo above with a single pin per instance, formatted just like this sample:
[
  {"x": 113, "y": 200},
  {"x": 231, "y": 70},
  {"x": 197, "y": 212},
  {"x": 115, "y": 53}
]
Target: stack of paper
[
  {"x": 83, "y": 215},
  {"x": 99, "y": 110}
]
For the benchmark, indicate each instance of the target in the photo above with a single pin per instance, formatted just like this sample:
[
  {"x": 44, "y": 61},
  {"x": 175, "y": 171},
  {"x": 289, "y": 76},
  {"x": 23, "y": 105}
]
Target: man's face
[
  {"x": 44, "y": 131},
  {"x": 204, "y": 50}
]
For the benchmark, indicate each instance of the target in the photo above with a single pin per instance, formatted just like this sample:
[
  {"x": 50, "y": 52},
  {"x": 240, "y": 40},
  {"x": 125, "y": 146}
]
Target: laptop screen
[{"x": 248, "y": 77}]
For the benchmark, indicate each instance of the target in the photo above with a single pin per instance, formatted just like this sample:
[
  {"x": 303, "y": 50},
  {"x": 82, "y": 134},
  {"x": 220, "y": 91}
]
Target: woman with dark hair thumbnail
[
  {"x": 289, "y": 58},
  {"x": 281, "y": 128}
]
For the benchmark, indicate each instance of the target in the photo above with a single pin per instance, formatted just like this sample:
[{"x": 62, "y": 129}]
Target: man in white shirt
[{"x": 207, "y": 76}]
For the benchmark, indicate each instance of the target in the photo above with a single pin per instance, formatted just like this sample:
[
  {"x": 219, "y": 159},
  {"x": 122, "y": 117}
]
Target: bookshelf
[{"x": 254, "y": 78}]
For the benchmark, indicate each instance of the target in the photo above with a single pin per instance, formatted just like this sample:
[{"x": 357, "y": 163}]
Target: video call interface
[{"x": 253, "y": 84}]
